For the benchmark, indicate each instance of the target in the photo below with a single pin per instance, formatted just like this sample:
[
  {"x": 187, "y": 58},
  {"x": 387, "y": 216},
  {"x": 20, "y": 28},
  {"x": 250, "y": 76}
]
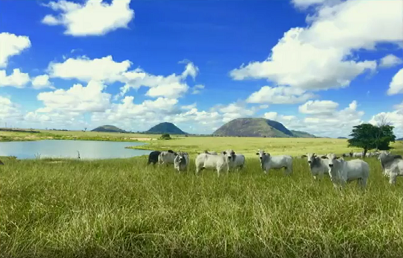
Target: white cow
[
  {"x": 282, "y": 161},
  {"x": 317, "y": 165},
  {"x": 181, "y": 161},
  {"x": 236, "y": 161},
  {"x": 392, "y": 165},
  {"x": 342, "y": 172},
  {"x": 219, "y": 162},
  {"x": 357, "y": 155},
  {"x": 166, "y": 157}
]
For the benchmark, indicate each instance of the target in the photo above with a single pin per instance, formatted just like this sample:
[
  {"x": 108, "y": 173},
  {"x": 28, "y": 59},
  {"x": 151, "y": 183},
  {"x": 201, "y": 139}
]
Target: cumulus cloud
[
  {"x": 279, "y": 95},
  {"x": 42, "y": 82},
  {"x": 17, "y": 79},
  {"x": 11, "y": 45},
  {"x": 394, "y": 118},
  {"x": 333, "y": 123},
  {"x": 320, "y": 56},
  {"x": 9, "y": 110},
  {"x": 318, "y": 107},
  {"x": 78, "y": 99},
  {"x": 137, "y": 116},
  {"x": 396, "y": 85},
  {"x": 84, "y": 69},
  {"x": 107, "y": 70},
  {"x": 92, "y": 18},
  {"x": 390, "y": 61}
]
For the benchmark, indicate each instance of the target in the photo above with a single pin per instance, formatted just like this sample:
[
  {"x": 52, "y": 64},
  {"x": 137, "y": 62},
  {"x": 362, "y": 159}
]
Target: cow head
[
  {"x": 230, "y": 154},
  {"x": 311, "y": 157},
  {"x": 331, "y": 157},
  {"x": 262, "y": 154}
]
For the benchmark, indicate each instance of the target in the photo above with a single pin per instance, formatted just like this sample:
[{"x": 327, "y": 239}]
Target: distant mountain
[
  {"x": 165, "y": 128},
  {"x": 301, "y": 134},
  {"x": 341, "y": 137},
  {"x": 109, "y": 129},
  {"x": 257, "y": 127},
  {"x": 400, "y": 139}
]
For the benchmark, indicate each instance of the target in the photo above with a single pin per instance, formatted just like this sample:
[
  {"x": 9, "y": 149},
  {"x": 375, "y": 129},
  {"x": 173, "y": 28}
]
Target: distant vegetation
[
  {"x": 165, "y": 127},
  {"x": 258, "y": 127},
  {"x": 109, "y": 129},
  {"x": 341, "y": 137},
  {"x": 165, "y": 136}
]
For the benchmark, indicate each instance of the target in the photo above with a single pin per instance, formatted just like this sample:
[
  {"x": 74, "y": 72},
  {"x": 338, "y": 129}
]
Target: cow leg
[{"x": 392, "y": 178}]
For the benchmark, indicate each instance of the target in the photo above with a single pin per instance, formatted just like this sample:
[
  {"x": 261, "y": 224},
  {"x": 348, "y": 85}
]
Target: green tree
[
  {"x": 368, "y": 137},
  {"x": 165, "y": 136}
]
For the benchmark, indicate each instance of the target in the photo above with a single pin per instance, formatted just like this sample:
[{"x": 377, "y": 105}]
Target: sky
[{"x": 320, "y": 66}]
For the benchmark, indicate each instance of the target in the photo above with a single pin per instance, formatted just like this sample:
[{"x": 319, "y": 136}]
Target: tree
[
  {"x": 368, "y": 137},
  {"x": 165, "y": 136}
]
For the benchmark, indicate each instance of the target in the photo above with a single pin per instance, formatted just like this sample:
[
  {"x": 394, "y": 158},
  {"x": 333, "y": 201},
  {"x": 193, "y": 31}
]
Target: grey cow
[
  {"x": 181, "y": 161},
  {"x": 317, "y": 165},
  {"x": 392, "y": 165}
]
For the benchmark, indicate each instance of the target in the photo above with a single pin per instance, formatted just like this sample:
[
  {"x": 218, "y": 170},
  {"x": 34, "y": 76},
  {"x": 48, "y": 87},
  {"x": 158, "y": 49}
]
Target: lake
[{"x": 69, "y": 148}]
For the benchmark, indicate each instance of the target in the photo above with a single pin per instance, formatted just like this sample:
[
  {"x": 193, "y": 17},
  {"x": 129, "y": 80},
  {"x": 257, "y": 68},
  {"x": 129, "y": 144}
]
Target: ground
[{"x": 123, "y": 208}]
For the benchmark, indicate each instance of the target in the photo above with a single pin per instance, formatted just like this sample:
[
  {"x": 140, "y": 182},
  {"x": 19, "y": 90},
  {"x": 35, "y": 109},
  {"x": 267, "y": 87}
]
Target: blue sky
[{"x": 320, "y": 66}]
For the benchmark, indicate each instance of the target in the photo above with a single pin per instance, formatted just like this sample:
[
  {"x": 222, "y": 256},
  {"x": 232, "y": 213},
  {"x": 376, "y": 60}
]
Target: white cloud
[
  {"x": 190, "y": 70},
  {"x": 11, "y": 45},
  {"x": 137, "y": 116},
  {"x": 17, "y": 79},
  {"x": 399, "y": 106},
  {"x": 334, "y": 124},
  {"x": 85, "y": 69},
  {"x": 390, "y": 61},
  {"x": 303, "y": 4},
  {"x": 171, "y": 86},
  {"x": 318, "y": 107},
  {"x": 279, "y": 95},
  {"x": 92, "y": 18},
  {"x": 42, "y": 82},
  {"x": 279, "y": 118},
  {"x": 396, "y": 85},
  {"x": 109, "y": 71},
  {"x": 76, "y": 99},
  {"x": 9, "y": 110},
  {"x": 395, "y": 118},
  {"x": 320, "y": 56},
  {"x": 197, "y": 88}
]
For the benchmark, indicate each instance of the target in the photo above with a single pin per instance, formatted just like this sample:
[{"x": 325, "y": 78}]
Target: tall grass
[{"x": 122, "y": 208}]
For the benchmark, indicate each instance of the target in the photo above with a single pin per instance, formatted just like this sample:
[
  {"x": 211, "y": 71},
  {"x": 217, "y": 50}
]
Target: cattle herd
[{"x": 339, "y": 171}]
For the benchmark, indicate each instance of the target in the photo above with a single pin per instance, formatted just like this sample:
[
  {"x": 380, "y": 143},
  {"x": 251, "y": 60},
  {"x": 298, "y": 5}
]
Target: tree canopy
[{"x": 368, "y": 136}]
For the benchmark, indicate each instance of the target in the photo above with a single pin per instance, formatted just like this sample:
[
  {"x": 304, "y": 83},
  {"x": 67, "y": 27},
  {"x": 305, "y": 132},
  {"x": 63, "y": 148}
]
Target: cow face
[
  {"x": 231, "y": 155},
  {"x": 331, "y": 157},
  {"x": 261, "y": 154},
  {"x": 310, "y": 157}
]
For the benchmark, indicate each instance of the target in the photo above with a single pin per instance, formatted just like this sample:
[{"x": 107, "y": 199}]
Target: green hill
[
  {"x": 109, "y": 129},
  {"x": 301, "y": 134},
  {"x": 165, "y": 128},
  {"x": 257, "y": 127}
]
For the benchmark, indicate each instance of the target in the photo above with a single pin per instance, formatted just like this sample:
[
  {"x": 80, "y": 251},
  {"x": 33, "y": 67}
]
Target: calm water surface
[{"x": 69, "y": 148}]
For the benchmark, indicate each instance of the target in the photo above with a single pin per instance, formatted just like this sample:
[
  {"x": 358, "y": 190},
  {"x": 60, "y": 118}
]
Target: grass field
[
  {"x": 121, "y": 208},
  {"x": 249, "y": 145}
]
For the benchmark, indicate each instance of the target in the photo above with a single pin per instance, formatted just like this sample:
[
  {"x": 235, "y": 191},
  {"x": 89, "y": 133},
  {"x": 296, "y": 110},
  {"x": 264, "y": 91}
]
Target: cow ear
[
  {"x": 257, "y": 153},
  {"x": 303, "y": 156},
  {"x": 324, "y": 157},
  {"x": 337, "y": 157}
]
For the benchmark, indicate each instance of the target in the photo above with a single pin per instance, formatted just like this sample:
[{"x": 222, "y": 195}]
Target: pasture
[{"x": 122, "y": 208}]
